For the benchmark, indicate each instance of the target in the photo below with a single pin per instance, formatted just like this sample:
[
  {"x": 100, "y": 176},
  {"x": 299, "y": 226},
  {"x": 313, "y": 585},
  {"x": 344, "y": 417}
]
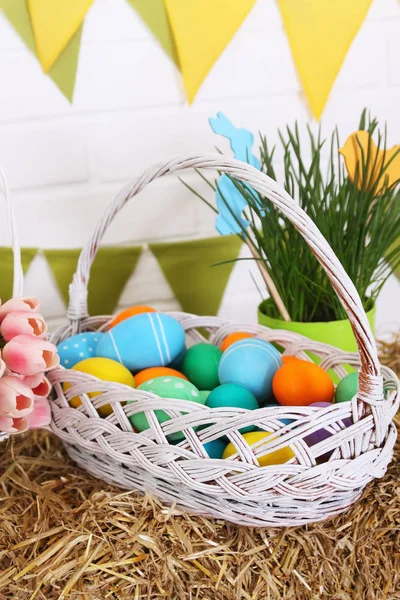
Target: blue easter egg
[
  {"x": 145, "y": 340},
  {"x": 78, "y": 348},
  {"x": 251, "y": 363},
  {"x": 233, "y": 395},
  {"x": 215, "y": 449}
]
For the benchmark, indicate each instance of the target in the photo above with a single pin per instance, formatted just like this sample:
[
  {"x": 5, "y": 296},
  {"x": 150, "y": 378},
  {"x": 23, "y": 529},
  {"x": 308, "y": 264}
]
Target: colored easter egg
[
  {"x": 323, "y": 434},
  {"x": 215, "y": 449},
  {"x": 319, "y": 435},
  {"x": 278, "y": 457},
  {"x": 232, "y": 395},
  {"x": 146, "y": 340},
  {"x": 347, "y": 388},
  {"x": 176, "y": 363},
  {"x": 166, "y": 387},
  {"x": 153, "y": 372},
  {"x": 200, "y": 365},
  {"x": 106, "y": 370},
  {"x": 204, "y": 394},
  {"x": 234, "y": 337},
  {"x": 251, "y": 363},
  {"x": 129, "y": 312},
  {"x": 288, "y": 359},
  {"x": 78, "y": 347},
  {"x": 300, "y": 383}
]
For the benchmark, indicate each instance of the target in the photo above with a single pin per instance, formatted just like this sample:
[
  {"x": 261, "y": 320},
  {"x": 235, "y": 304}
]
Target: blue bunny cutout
[{"x": 230, "y": 202}]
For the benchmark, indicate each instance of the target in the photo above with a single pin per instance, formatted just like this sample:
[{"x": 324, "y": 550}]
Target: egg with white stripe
[
  {"x": 145, "y": 340},
  {"x": 78, "y": 347},
  {"x": 251, "y": 363}
]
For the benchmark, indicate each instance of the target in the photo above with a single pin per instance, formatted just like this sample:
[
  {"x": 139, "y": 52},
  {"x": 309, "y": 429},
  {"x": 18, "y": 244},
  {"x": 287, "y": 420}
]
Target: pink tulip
[
  {"x": 41, "y": 415},
  {"x": 17, "y": 323},
  {"x": 39, "y": 384},
  {"x": 16, "y": 398},
  {"x": 28, "y": 304},
  {"x": 2, "y": 367},
  {"x": 28, "y": 355},
  {"x": 10, "y": 425}
]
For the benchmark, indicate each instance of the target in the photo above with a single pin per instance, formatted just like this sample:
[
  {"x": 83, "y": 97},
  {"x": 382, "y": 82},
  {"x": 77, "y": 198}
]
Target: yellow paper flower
[{"x": 355, "y": 152}]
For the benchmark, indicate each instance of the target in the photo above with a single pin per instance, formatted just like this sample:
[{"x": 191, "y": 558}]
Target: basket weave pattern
[{"x": 238, "y": 490}]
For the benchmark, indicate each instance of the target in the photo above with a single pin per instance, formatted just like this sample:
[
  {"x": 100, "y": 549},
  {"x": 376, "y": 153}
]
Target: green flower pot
[{"x": 335, "y": 333}]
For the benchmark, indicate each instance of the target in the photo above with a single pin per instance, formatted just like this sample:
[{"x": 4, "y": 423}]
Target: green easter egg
[
  {"x": 200, "y": 365},
  {"x": 215, "y": 449},
  {"x": 166, "y": 387},
  {"x": 347, "y": 388},
  {"x": 233, "y": 395},
  {"x": 204, "y": 394}
]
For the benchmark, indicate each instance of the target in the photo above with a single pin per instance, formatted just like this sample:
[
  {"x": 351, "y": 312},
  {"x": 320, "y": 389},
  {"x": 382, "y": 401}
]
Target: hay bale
[{"x": 64, "y": 534}]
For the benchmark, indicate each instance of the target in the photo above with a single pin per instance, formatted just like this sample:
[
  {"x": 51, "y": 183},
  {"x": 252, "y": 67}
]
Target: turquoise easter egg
[
  {"x": 347, "y": 388},
  {"x": 215, "y": 449},
  {"x": 145, "y": 340},
  {"x": 232, "y": 395},
  {"x": 200, "y": 365},
  {"x": 78, "y": 347},
  {"x": 251, "y": 363},
  {"x": 166, "y": 387}
]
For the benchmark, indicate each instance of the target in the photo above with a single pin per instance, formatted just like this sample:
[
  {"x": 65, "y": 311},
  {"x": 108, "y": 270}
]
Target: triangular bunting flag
[
  {"x": 202, "y": 29},
  {"x": 320, "y": 33},
  {"x": 54, "y": 23},
  {"x": 153, "y": 13},
  {"x": 63, "y": 72},
  {"x": 7, "y": 270},
  {"x": 187, "y": 266},
  {"x": 110, "y": 272}
]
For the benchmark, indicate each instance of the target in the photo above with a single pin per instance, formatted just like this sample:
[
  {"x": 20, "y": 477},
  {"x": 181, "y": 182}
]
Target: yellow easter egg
[
  {"x": 106, "y": 370},
  {"x": 278, "y": 457}
]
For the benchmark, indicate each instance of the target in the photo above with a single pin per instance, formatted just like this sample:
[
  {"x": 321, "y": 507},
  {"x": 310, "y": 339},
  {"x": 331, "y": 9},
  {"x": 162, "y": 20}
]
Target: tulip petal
[
  {"x": 41, "y": 415},
  {"x": 16, "y": 398},
  {"x": 28, "y": 303},
  {"x": 30, "y": 355},
  {"x": 10, "y": 425},
  {"x": 17, "y": 323}
]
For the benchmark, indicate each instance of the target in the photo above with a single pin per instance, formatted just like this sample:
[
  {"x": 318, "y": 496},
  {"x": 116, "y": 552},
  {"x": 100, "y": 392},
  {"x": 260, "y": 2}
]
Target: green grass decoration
[{"x": 360, "y": 220}]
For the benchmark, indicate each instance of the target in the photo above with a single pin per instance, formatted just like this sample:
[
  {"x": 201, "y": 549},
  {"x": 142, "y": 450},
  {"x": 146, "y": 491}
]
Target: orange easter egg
[
  {"x": 234, "y": 337},
  {"x": 129, "y": 312},
  {"x": 300, "y": 383},
  {"x": 153, "y": 372},
  {"x": 289, "y": 359}
]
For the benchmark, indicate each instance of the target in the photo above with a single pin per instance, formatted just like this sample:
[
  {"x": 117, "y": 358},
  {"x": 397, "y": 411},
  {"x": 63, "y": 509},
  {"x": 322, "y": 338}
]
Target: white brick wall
[{"x": 65, "y": 162}]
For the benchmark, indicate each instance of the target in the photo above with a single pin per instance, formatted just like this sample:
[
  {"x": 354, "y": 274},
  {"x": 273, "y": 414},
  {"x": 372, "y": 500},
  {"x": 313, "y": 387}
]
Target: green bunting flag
[
  {"x": 154, "y": 14},
  {"x": 110, "y": 272},
  {"x": 63, "y": 72},
  {"x": 188, "y": 267},
  {"x": 7, "y": 269}
]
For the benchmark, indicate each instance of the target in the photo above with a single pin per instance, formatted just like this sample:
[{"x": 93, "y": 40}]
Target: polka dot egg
[
  {"x": 166, "y": 387},
  {"x": 78, "y": 347}
]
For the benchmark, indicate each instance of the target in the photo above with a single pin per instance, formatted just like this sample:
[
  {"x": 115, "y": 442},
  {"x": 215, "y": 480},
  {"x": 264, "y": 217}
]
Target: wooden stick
[{"x": 268, "y": 281}]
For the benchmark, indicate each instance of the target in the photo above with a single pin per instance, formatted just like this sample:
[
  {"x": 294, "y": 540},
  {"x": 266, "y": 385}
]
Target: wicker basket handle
[
  {"x": 267, "y": 187},
  {"x": 18, "y": 283}
]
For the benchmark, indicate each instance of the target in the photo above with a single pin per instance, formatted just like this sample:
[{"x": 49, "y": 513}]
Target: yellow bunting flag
[
  {"x": 320, "y": 34},
  {"x": 63, "y": 72},
  {"x": 363, "y": 158},
  {"x": 54, "y": 23},
  {"x": 202, "y": 29}
]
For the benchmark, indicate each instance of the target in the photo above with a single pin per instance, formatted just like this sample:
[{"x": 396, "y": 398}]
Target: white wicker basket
[{"x": 240, "y": 491}]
